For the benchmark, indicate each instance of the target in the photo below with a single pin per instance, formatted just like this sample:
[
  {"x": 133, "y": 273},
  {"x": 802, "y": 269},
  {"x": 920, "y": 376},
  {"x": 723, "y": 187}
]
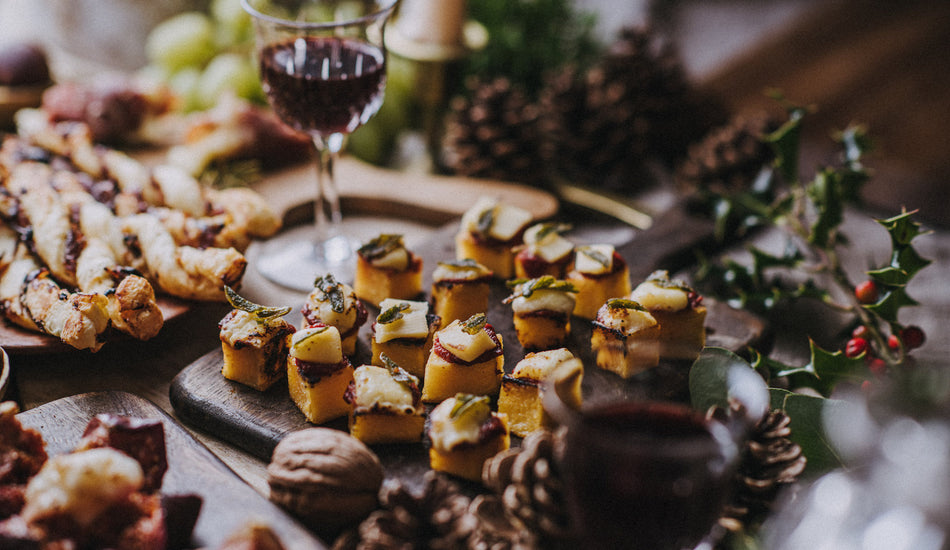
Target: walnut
[{"x": 325, "y": 477}]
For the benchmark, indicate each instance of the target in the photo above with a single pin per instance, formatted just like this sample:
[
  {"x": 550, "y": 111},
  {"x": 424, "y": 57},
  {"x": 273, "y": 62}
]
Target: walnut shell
[{"x": 325, "y": 477}]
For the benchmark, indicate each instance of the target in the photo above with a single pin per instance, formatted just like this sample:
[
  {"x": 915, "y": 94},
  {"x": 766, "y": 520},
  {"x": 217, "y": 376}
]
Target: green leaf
[
  {"x": 331, "y": 290},
  {"x": 807, "y": 428},
  {"x": 380, "y": 246},
  {"x": 908, "y": 260},
  {"x": 889, "y": 276},
  {"x": 392, "y": 314},
  {"x": 830, "y": 210},
  {"x": 466, "y": 404},
  {"x": 902, "y": 228},
  {"x": 830, "y": 368},
  {"x": 260, "y": 313},
  {"x": 719, "y": 375},
  {"x": 474, "y": 324},
  {"x": 785, "y": 142},
  {"x": 889, "y": 305}
]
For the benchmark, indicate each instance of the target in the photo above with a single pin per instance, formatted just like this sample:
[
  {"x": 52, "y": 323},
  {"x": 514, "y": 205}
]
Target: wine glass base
[{"x": 293, "y": 260}]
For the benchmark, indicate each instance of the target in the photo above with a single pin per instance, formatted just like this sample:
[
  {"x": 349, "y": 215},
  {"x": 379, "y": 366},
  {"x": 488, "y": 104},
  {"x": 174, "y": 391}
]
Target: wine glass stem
[{"x": 327, "y": 214}]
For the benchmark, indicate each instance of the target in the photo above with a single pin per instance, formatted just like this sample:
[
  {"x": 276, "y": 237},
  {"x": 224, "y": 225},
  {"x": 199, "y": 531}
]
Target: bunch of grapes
[{"x": 204, "y": 55}]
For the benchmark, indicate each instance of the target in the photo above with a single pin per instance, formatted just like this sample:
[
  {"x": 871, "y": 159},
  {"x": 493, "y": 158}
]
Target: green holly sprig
[{"x": 811, "y": 214}]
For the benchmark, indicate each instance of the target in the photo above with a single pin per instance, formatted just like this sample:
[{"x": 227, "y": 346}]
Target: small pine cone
[
  {"x": 769, "y": 464},
  {"x": 492, "y": 133},
  {"x": 495, "y": 529},
  {"x": 730, "y": 157},
  {"x": 436, "y": 517},
  {"x": 530, "y": 487}
]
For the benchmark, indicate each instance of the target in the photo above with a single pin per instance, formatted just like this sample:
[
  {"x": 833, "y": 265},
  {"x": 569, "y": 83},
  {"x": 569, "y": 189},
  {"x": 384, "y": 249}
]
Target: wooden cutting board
[
  {"x": 256, "y": 421},
  {"x": 227, "y": 502}
]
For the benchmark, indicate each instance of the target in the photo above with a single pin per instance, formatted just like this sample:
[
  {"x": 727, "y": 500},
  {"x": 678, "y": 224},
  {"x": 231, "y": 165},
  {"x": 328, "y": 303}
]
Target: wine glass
[
  {"x": 641, "y": 474},
  {"x": 323, "y": 69}
]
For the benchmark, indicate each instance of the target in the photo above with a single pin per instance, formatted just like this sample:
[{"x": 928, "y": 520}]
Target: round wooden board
[{"x": 19, "y": 341}]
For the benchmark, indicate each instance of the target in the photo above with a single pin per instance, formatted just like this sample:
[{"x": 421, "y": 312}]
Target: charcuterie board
[
  {"x": 228, "y": 503},
  {"x": 255, "y": 421}
]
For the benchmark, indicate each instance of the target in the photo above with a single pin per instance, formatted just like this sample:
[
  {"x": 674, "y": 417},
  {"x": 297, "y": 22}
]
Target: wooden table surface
[{"x": 858, "y": 59}]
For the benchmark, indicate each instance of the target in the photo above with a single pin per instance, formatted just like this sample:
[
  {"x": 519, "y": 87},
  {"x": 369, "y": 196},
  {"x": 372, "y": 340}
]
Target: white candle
[{"x": 432, "y": 21}]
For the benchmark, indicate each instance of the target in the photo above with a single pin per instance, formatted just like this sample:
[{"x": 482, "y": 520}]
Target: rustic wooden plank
[{"x": 228, "y": 503}]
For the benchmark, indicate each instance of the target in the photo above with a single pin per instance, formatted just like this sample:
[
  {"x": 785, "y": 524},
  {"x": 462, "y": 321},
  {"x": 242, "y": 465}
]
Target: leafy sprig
[{"x": 811, "y": 214}]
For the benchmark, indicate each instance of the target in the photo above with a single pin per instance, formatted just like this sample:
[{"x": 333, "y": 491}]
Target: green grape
[
  {"x": 232, "y": 23},
  {"x": 184, "y": 83},
  {"x": 228, "y": 71},
  {"x": 183, "y": 40}
]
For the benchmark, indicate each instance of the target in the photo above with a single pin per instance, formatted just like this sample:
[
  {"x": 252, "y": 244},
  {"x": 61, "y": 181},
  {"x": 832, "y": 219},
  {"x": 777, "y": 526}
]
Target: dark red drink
[
  {"x": 324, "y": 84},
  {"x": 645, "y": 476}
]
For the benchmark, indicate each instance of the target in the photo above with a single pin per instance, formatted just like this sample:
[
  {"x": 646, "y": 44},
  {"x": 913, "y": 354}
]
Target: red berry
[
  {"x": 866, "y": 386},
  {"x": 893, "y": 342},
  {"x": 859, "y": 331},
  {"x": 855, "y": 347},
  {"x": 877, "y": 366},
  {"x": 913, "y": 337},
  {"x": 866, "y": 292}
]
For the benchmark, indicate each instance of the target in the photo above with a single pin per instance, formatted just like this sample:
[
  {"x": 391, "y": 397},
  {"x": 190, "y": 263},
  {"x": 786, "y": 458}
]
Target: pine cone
[
  {"x": 530, "y": 487},
  {"x": 495, "y": 529},
  {"x": 493, "y": 134},
  {"x": 729, "y": 158},
  {"x": 769, "y": 464},
  {"x": 636, "y": 103},
  {"x": 436, "y": 518}
]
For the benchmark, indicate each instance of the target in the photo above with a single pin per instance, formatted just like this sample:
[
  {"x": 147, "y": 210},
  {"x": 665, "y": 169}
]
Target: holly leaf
[
  {"x": 830, "y": 211},
  {"x": 719, "y": 375},
  {"x": 889, "y": 305},
  {"x": 785, "y": 142},
  {"x": 902, "y": 228},
  {"x": 908, "y": 260}
]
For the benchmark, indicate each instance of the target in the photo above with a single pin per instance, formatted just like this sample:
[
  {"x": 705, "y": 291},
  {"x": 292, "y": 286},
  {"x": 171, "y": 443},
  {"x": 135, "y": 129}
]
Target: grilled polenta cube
[
  {"x": 466, "y": 357},
  {"x": 521, "y": 391},
  {"x": 385, "y": 268},
  {"x": 460, "y": 289},
  {"x": 625, "y": 338},
  {"x": 489, "y": 232},
  {"x": 403, "y": 332},
  {"x": 679, "y": 311},
  {"x": 465, "y": 433},
  {"x": 542, "y": 311},
  {"x": 334, "y": 303},
  {"x": 318, "y": 374},
  {"x": 545, "y": 252},
  {"x": 598, "y": 273},
  {"x": 254, "y": 342},
  {"x": 387, "y": 406}
]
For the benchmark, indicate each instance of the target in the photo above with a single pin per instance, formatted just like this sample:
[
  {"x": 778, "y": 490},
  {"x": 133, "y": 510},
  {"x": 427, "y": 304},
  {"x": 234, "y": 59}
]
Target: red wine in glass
[{"x": 324, "y": 85}]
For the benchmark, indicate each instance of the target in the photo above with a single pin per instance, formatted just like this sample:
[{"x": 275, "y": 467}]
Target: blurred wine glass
[{"x": 323, "y": 69}]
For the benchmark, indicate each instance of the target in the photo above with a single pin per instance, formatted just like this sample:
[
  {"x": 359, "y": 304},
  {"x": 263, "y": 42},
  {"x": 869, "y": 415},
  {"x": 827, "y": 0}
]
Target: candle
[{"x": 432, "y": 21}]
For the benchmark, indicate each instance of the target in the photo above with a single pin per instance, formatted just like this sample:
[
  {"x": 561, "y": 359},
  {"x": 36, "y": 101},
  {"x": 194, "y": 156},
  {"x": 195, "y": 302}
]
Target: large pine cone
[
  {"x": 635, "y": 104},
  {"x": 529, "y": 484},
  {"x": 492, "y": 133},
  {"x": 436, "y": 517},
  {"x": 730, "y": 157}
]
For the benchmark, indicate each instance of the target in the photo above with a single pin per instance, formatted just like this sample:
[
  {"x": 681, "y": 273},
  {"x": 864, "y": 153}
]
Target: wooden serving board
[
  {"x": 228, "y": 503},
  {"x": 256, "y": 421}
]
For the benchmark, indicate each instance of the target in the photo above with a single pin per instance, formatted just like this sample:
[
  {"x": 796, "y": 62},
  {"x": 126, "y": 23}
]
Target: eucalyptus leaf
[
  {"x": 807, "y": 414},
  {"x": 719, "y": 375}
]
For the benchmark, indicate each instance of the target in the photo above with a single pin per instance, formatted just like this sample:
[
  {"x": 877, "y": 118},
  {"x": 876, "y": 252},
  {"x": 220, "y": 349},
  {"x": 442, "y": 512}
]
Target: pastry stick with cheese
[
  {"x": 184, "y": 271},
  {"x": 30, "y": 298}
]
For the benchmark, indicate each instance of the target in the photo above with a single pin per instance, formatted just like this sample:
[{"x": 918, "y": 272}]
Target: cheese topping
[
  {"x": 447, "y": 432},
  {"x": 240, "y": 326},
  {"x": 82, "y": 485},
  {"x": 463, "y": 270},
  {"x": 412, "y": 322},
  {"x": 376, "y": 388},
  {"x": 595, "y": 259},
  {"x": 548, "y": 245},
  {"x": 627, "y": 320},
  {"x": 560, "y": 301},
  {"x": 500, "y": 221},
  {"x": 397, "y": 259},
  {"x": 540, "y": 365},
  {"x": 321, "y": 307},
  {"x": 319, "y": 344},
  {"x": 463, "y": 345},
  {"x": 655, "y": 297}
]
